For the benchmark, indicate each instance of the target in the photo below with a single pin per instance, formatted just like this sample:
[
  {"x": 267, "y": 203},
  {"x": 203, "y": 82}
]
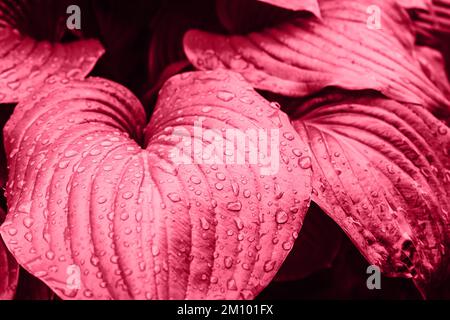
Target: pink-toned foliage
[
  {"x": 357, "y": 90},
  {"x": 381, "y": 168},
  {"x": 27, "y": 63},
  {"x": 153, "y": 228}
]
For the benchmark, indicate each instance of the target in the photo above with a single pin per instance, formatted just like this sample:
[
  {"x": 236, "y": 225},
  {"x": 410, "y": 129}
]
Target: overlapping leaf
[
  {"x": 296, "y": 5},
  {"x": 85, "y": 199},
  {"x": 26, "y": 63},
  {"x": 433, "y": 18},
  {"x": 381, "y": 171},
  {"x": 173, "y": 19},
  {"x": 433, "y": 65},
  {"x": 234, "y": 14},
  {"x": 414, "y": 4},
  {"x": 431, "y": 22},
  {"x": 352, "y": 47}
]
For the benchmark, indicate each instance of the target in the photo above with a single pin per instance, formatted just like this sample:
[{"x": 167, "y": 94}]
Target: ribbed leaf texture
[{"x": 83, "y": 193}]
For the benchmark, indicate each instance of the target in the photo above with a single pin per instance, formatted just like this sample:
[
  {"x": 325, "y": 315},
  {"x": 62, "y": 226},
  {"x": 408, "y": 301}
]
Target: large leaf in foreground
[
  {"x": 26, "y": 63},
  {"x": 381, "y": 171},
  {"x": 9, "y": 270},
  {"x": 136, "y": 223},
  {"x": 348, "y": 48}
]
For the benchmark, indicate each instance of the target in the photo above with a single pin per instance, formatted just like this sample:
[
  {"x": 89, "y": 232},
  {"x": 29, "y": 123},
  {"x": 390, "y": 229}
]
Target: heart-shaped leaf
[
  {"x": 381, "y": 171},
  {"x": 357, "y": 45},
  {"x": 9, "y": 270},
  {"x": 26, "y": 63},
  {"x": 208, "y": 214}
]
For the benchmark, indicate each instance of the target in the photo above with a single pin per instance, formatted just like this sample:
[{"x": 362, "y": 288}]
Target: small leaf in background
[
  {"x": 27, "y": 63},
  {"x": 296, "y": 5},
  {"x": 414, "y": 4},
  {"x": 432, "y": 26},
  {"x": 234, "y": 14},
  {"x": 302, "y": 56},
  {"x": 431, "y": 20}
]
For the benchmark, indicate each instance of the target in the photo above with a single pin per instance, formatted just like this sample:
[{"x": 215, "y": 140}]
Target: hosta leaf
[
  {"x": 433, "y": 65},
  {"x": 234, "y": 14},
  {"x": 296, "y": 5},
  {"x": 39, "y": 19},
  {"x": 434, "y": 19},
  {"x": 381, "y": 171},
  {"x": 135, "y": 222},
  {"x": 348, "y": 48},
  {"x": 9, "y": 270},
  {"x": 26, "y": 63},
  {"x": 414, "y": 4}
]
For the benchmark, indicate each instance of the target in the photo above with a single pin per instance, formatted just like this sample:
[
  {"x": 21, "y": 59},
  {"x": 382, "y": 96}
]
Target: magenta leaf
[
  {"x": 432, "y": 27},
  {"x": 8, "y": 265},
  {"x": 415, "y": 4},
  {"x": 9, "y": 270},
  {"x": 26, "y": 63},
  {"x": 85, "y": 200},
  {"x": 349, "y": 48},
  {"x": 296, "y": 5},
  {"x": 433, "y": 65},
  {"x": 381, "y": 171},
  {"x": 39, "y": 19},
  {"x": 234, "y": 14},
  {"x": 434, "y": 18}
]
